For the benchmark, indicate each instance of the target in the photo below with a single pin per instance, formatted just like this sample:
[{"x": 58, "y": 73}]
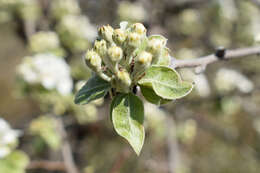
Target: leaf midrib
[
  {"x": 94, "y": 88},
  {"x": 155, "y": 81}
]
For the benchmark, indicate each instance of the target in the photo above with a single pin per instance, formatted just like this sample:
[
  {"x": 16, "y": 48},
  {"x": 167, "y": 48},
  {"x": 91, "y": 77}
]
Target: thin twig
[
  {"x": 66, "y": 149},
  {"x": 47, "y": 165},
  {"x": 204, "y": 61}
]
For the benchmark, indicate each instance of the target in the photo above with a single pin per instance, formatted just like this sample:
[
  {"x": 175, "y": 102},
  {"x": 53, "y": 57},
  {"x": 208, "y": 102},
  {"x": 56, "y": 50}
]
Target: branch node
[{"x": 220, "y": 53}]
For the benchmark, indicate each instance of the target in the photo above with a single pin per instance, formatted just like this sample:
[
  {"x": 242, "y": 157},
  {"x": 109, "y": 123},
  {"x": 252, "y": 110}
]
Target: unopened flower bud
[
  {"x": 134, "y": 39},
  {"x": 93, "y": 60},
  {"x": 139, "y": 28},
  {"x": 100, "y": 47},
  {"x": 106, "y": 33},
  {"x": 115, "y": 53},
  {"x": 156, "y": 45},
  {"x": 119, "y": 36},
  {"x": 124, "y": 77},
  {"x": 145, "y": 58}
]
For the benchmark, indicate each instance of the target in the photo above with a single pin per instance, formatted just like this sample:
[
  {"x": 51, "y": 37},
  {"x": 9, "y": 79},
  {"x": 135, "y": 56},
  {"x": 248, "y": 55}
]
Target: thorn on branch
[{"x": 220, "y": 53}]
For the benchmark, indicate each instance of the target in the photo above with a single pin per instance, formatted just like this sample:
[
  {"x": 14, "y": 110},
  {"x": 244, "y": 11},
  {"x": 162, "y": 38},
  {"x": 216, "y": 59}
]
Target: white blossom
[
  {"x": 228, "y": 80},
  {"x": 8, "y": 138},
  {"x": 80, "y": 26},
  {"x": 42, "y": 41},
  {"x": 228, "y": 9},
  {"x": 125, "y": 12},
  {"x": 50, "y": 71},
  {"x": 61, "y": 8},
  {"x": 201, "y": 82}
]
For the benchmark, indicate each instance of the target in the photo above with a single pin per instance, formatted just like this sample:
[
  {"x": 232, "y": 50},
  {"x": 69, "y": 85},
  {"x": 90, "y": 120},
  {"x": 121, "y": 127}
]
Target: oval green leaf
[
  {"x": 127, "y": 113},
  {"x": 95, "y": 88},
  {"x": 151, "y": 96},
  {"x": 165, "y": 82}
]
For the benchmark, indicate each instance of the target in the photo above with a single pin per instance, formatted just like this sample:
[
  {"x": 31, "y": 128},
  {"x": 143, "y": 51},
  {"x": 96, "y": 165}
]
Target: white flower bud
[
  {"x": 119, "y": 36},
  {"x": 156, "y": 45},
  {"x": 93, "y": 60},
  {"x": 100, "y": 47},
  {"x": 115, "y": 53},
  {"x": 134, "y": 39},
  {"x": 106, "y": 33},
  {"x": 139, "y": 28},
  {"x": 145, "y": 58},
  {"x": 124, "y": 77}
]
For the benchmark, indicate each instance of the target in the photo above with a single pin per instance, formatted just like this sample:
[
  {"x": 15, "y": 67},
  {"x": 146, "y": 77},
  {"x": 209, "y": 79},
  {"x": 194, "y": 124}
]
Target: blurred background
[{"x": 215, "y": 129}]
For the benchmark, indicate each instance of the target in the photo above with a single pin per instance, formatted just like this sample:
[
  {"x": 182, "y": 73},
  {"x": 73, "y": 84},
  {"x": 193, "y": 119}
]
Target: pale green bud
[
  {"x": 134, "y": 39},
  {"x": 119, "y": 36},
  {"x": 93, "y": 60},
  {"x": 124, "y": 77},
  {"x": 145, "y": 58},
  {"x": 156, "y": 45},
  {"x": 100, "y": 47},
  {"x": 106, "y": 32},
  {"x": 115, "y": 53},
  {"x": 139, "y": 28}
]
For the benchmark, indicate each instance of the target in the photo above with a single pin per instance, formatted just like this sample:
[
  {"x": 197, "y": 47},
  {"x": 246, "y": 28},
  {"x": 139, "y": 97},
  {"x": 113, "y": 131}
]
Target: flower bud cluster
[{"x": 122, "y": 55}]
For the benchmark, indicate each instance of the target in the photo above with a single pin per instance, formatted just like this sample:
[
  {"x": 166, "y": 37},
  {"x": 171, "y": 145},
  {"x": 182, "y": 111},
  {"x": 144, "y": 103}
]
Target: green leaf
[
  {"x": 151, "y": 96},
  {"x": 95, "y": 88},
  {"x": 165, "y": 82},
  {"x": 127, "y": 112},
  {"x": 16, "y": 162}
]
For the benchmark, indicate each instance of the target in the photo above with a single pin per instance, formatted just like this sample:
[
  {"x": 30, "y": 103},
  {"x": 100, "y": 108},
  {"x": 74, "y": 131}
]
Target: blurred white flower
[
  {"x": 8, "y": 138},
  {"x": 155, "y": 119},
  {"x": 190, "y": 23},
  {"x": 29, "y": 9},
  {"x": 60, "y": 8},
  {"x": 187, "y": 130},
  {"x": 201, "y": 86},
  {"x": 133, "y": 12},
  {"x": 4, "y": 3},
  {"x": 227, "y": 80},
  {"x": 257, "y": 38},
  {"x": 45, "y": 41},
  {"x": 228, "y": 9},
  {"x": 50, "y": 71},
  {"x": 80, "y": 26},
  {"x": 76, "y": 32}
]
